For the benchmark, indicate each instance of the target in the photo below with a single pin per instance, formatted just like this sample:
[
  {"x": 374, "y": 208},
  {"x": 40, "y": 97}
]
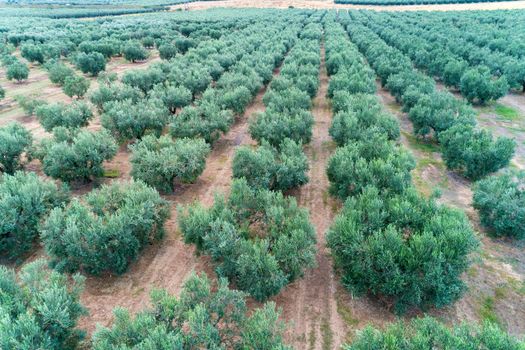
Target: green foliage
[
  {"x": 167, "y": 51},
  {"x": 114, "y": 92},
  {"x": 269, "y": 168},
  {"x": 29, "y": 103},
  {"x": 127, "y": 120},
  {"x": 260, "y": 239},
  {"x": 133, "y": 51},
  {"x": 58, "y": 72},
  {"x": 39, "y": 308},
  {"x": 500, "y": 200},
  {"x": 359, "y": 116},
  {"x": 75, "y": 85},
  {"x": 478, "y": 85},
  {"x": 429, "y": 333},
  {"x": 143, "y": 79},
  {"x": 76, "y": 155},
  {"x": 32, "y": 53},
  {"x": 25, "y": 199},
  {"x": 287, "y": 101},
  {"x": 74, "y": 115},
  {"x": 14, "y": 141},
  {"x": 195, "y": 78},
  {"x": 275, "y": 126},
  {"x": 92, "y": 63},
  {"x": 17, "y": 71},
  {"x": 453, "y": 72},
  {"x": 206, "y": 121},
  {"x": 2, "y": 93},
  {"x": 352, "y": 80},
  {"x": 438, "y": 112},
  {"x": 404, "y": 247},
  {"x": 106, "y": 47},
  {"x": 475, "y": 153},
  {"x": 106, "y": 230},
  {"x": 173, "y": 97},
  {"x": 204, "y": 316},
  {"x": 376, "y": 162},
  {"x": 160, "y": 161}
]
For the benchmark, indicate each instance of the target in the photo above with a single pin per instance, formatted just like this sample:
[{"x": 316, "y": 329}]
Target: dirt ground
[
  {"x": 309, "y": 304},
  {"x": 329, "y": 4},
  {"x": 496, "y": 279},
  {"x": 38, "y": 86},
  {"x": 169, "y": 263}
]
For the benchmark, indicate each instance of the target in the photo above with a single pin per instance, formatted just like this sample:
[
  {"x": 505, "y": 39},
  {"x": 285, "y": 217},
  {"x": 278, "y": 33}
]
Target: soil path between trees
[
  {"x": 496, "y": 278},
  {"x": 168, "y": 263},
  {"x": 309, "y": 304}
]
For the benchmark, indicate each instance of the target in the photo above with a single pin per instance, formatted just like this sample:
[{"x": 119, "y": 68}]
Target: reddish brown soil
[
  {"x": 309, "y": 304},
  {"x": 168, "y": 263},
  {"x": 497, "y": 274}
]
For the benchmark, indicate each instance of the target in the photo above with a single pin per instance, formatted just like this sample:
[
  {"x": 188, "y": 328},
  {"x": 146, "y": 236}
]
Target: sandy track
[
  {"x": 329, "y": 4},
  {"x": 168, "y": 263},
  {"x": 309, "y": 304}
]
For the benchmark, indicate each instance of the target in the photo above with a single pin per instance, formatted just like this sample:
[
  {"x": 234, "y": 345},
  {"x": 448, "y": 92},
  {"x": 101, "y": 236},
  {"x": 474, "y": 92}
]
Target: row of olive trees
[
  {"x": 259, "y": 239},
  {"x": 388, "y": 241},
  {"x": 279, "y": 163},
  {"x": 468, "y": 73},
  {"x": 168, "y": 94},
  {"x": 466, "y": 149},
  {"x": 40, "y": 309},
  {"x": 456, "y": 43}
]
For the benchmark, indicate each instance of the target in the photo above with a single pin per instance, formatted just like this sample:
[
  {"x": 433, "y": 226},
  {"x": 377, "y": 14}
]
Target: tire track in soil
[
  {"x": 168, "y": 264},
  {"x": 309, "y": 304}
]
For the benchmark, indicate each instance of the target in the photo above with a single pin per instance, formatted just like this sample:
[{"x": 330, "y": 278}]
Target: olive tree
[
  {"x": 105, "y": 230},
  {"x": 133, "y": 51},
  {"x": 474, "y": 152},
  {"x": 25, "y": 199},
  {"x": 437, "y": 112},
  {"x": 429, "y": 333},
  {"x": 75, "y": 85},
  {"x": 74, "y": 115},
  {"x": 207, "y": 121},
  {"x": 143, "y": 79},
  {"x": 92, "y": 63},
  {"x": 259, "y": 239},
  {"x": 167, "y": 51},
  {"x": 477, "y": 84},
  {"x": 76, "y": 155},
  {"x": 404, "y": 248},
  {"x": 160, "y": 161},
  {"x": 127, "y": 120},
  {"x": 40, "y": 308},
  {"x": 275, "y": 126},
  {"x": 32, "y": 53},
  {"x": 29, "y": 103},
  {"x": 271, "y": 168},
  {"x": 500, "y": 200},
  {"x": 58, "y": 72},
  {"x": 114, "y": 92},
  {"x": 14, "y": 141},
  {"x": 203, "y": 316},
  {"x": 173, "y": 97},
  {"x": 375, "y": 162},
  {"x": 17, "y": 71}
]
